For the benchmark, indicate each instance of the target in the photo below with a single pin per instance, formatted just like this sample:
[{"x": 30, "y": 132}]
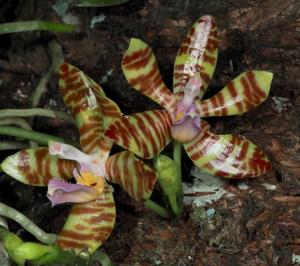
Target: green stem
[
  {"x": 18, "y": 122},
  {"x": 27, "y": 224},
  {"x": 57, "y": 58},
  {"x": 3, "y": 232},
  {"x": 40, "y": 89},
  {"x": 174, "y": 205},
  {"x": 35, "y": 112},
  {"x": 57, "y": 257},
  {"x": 156, "y": 208},
  {"x": 13, "y": 145},
  {"x": 177, "y": 160},
  {"x": 101, "y": 257},
  {"x": 100, "y": 3},
  {"x": 38, "y": 137},
  {"x": 14, "y": 121},
  {"x": 22, "y": 26}
]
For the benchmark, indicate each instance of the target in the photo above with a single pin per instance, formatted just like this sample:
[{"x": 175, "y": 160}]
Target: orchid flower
[
  {"x": 92, "y": 217},
  {"x": 146, "y": 134},
  {"x": 90, "y": 178}
]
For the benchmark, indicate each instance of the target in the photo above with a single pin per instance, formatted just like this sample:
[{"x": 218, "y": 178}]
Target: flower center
[
  {"x": 186, "y": 105},
  {"x": 186, "y": 123},
  {"x": 88, "y": 178}
]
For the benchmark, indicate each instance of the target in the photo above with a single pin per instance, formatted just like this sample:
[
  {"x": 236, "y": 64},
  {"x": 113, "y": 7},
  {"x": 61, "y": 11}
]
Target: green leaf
[{"x": 21, "y": 26}]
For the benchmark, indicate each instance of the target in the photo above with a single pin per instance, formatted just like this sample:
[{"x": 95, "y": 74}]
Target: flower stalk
[
  {"x": 27, "y": 224},
  {"x": 177, "y": 159},
  {"x": 38, "y": 137},
  {"x": 156, "y": 208},
  {"x": 99, "y": 3},
  {"x": 4, "y": 113},
  {"x": 13, "y": 27}
]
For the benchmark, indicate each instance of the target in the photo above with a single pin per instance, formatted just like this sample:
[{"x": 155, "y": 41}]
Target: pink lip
[{"x": 60, "y": 191}]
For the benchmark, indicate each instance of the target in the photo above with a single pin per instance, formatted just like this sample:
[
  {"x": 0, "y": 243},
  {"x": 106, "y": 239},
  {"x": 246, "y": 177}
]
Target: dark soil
[{"x": 255, "y": 226}]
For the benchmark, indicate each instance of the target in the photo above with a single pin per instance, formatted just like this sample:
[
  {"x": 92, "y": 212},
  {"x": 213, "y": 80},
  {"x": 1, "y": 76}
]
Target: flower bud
[
  {"x": 167, "y": 174},
  {"x": 31, "y": 250},
  {"x": 11, "y": 243}
]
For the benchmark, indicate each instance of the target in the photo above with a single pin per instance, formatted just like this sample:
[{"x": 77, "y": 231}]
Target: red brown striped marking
[
  {"x": 100, "y": 218},
  {"x": 258, "y": 161},
  {"x": 48, "y": 174},
  {"x": 135, "y": 177},
  {"x": 209, "y": 59},
  {"x": 103, "y": 229},
  {"x": 86, "y": 100},
  {"x": 251, "y": 78},
  {"x": 148, "y": 134},
  {"x": 108, "y": 108},
  {"x": 214, "y": 103},
  {"x": 139, "y": 62},
  {"x": 76, "y": 235},
  {"x": 36, "y": 166},
  {"x": 227, "y": 156},
  {"x": 212, "y": 44},
  {"x": 153, "y": 86},
  {"x": 157, "y": 133},
  {"x": 81, "y": 227},
  {"x": 123, "y": 163},
  {"x": 198, "y": 49},
  {"x": 127, "y": 59},
  {"x": 65, "y": 167},
  {"x": 64, "y": 67},
  {"x": 233, "y": 93},
  {"x": 205, "y": 77},
  {"x": 145, "y": 140},
  {"x": 71, "y": 244},
  {"x": 85, "y": 210},
  {"x": 244, "y": 148},
  {"x": 141, "y": 71},
  {"x": 244, "y": 93},
  {"x": 86, "y": 231}
]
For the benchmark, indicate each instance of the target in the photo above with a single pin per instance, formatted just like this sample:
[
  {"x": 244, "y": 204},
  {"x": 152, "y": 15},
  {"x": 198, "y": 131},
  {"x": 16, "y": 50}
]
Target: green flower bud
[
  {"x": 53, "y": 256},
  {"x": 167, "y": 174},
  {"x": 31, "y": 250},
  {"x": 11, "y": 243}
]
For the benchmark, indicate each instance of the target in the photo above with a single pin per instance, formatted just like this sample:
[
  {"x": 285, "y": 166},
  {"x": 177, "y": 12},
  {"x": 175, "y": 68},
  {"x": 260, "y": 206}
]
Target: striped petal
[
  {"x": 227, "y": 155},
  {"x": 198, "y": 54},
  {"x": 91, "y": 165},
  {"x": 36, "y": 166},
  {"x": 109, "y": 109},
  {"x": 89, "y": 224},
  {"x": 90, "y": 107},
  {"x": 240, "y": 95},
  {"x": 140, "y": 69},
  {"x": 132, "y": 174},
  {"x": 145, "y": 134}
]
